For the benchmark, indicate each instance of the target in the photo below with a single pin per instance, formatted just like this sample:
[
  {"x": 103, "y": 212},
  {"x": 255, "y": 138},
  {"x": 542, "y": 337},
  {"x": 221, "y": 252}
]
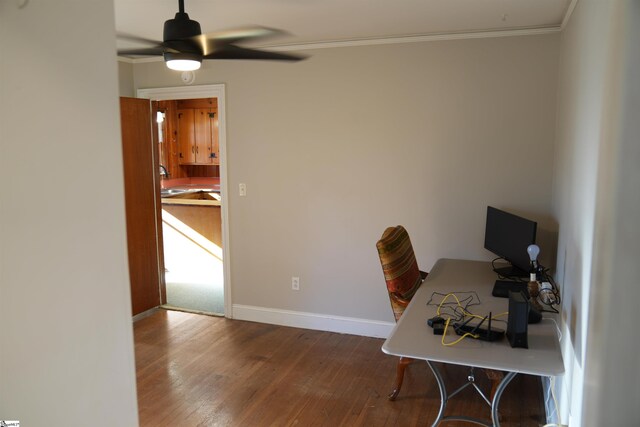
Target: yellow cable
[
  {"x": 467, "y": 334},
  {"x": 499, "y": 315},
  {"x": 466, "y": 313},
  {"x": 444, "y": 299}
]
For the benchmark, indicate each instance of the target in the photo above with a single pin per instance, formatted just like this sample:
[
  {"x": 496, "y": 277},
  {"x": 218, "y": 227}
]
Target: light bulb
[
  {"x": 181, "y": 61},
  {"x": 183, "y": 64},
  {"x": 533, "y": 251}
]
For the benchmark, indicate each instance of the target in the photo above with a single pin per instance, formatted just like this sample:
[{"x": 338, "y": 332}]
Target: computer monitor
[{"x": 508, "y": 236}]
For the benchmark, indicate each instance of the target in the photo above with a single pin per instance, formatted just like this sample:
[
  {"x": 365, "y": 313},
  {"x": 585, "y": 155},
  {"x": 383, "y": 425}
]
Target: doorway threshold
[{"x": 187, "y": 310}]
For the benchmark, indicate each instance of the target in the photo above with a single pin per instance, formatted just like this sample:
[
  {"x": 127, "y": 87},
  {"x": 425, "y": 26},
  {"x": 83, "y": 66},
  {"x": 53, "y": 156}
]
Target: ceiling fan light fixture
[
  {"x": 182, "y": 61},
  {"x": 184, "y": 46},
  {"x": 183, "y": 64}
]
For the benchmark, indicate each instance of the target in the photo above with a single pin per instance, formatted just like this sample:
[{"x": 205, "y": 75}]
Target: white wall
[
  {"x": 336, "y": 148},
  {"x": 596, "y": 202},
  {"x": 612, "y": 381},
  {"x": 125, "y": 79},
  {"x": 66, "y": 350}
]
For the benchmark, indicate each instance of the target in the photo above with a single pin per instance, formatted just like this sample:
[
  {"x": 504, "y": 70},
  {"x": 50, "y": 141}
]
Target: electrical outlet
[
  {"x": 243, "y": 189},
  {"x": 295, "y": 283}
]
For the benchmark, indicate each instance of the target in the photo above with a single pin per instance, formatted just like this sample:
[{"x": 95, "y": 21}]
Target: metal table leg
[
  {"x": 443, "y": 392},
  {"x": 496, "y": 399},
  {"x": 444, "y": 398}
]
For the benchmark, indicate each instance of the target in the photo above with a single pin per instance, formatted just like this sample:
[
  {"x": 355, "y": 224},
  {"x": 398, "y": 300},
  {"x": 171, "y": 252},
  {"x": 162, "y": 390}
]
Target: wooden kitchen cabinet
[
  {"x": 198, "y": 136},
  {"x": 205, "y": 220}
]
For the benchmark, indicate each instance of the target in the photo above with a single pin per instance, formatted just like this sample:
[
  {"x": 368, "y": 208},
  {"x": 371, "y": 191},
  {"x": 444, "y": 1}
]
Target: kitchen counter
[
  {"x": 203, "y": 183},
  {"x": 197, "y": 211},
  {"x": 190, "y": 191},
  {"x": 192, "y": 197}
]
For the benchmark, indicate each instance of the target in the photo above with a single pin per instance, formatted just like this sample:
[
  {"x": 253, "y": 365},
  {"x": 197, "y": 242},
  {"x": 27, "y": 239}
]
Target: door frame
[{"x": 207, "y": 91}]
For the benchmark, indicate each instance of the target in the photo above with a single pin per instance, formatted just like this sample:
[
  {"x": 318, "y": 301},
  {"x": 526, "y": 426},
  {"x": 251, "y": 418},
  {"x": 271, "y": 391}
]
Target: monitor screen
[{"x": 508, "y": 236}]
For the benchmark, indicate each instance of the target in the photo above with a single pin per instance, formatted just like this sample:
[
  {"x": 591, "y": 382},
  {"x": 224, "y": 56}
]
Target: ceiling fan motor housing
[{"x": 181, "y": 27}]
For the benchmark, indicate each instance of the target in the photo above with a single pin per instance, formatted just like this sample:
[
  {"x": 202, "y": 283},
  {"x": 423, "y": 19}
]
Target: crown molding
[
  {"x": 422, "y": 38},
  {"x": 140, "y": 60},
  {"x": 127, "y": 60},
  {"x": 568, "y": 14}
]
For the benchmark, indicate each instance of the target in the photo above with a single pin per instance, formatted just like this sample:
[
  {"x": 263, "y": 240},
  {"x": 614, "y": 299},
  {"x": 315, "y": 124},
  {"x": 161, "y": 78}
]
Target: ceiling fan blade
[
  {"x": 183, "y": 45},
  {"x": 131, "y": 37},
  {"x": 210, "y": 42},
  {"x": 230, "y": 51},
  {"x": 233, "y": 35},
  {"x": 143, "y": 51}
]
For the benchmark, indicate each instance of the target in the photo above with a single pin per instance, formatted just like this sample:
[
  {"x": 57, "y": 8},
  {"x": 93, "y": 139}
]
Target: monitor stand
[
  {"x": 511, "y": 272},
  {"x": 502, "y": 288}
]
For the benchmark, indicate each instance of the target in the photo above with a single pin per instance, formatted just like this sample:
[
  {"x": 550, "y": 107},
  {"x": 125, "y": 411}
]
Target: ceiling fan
[{"x": 184, "y": 46}]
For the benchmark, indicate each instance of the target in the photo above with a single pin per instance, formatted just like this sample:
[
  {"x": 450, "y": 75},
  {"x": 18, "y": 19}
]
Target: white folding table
[{"x": 413, "y": 338}]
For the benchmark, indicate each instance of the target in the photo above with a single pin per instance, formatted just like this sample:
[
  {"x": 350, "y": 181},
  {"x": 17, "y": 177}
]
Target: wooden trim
[
  {"x": 175, "y": 201},
  {"x": 155, "y": 154}
]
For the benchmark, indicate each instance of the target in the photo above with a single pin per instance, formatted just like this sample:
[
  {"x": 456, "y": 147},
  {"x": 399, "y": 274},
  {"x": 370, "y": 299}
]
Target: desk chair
[{"x": 403, "y": 278}]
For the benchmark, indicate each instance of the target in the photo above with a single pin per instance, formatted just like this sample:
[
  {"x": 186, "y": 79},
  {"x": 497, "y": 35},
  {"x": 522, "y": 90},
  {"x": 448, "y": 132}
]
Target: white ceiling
[{"x": 322, "y": 21}]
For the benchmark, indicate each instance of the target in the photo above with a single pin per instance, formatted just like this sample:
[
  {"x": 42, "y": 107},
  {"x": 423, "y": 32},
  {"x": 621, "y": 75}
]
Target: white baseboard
[{"x": 320, "y": 322}]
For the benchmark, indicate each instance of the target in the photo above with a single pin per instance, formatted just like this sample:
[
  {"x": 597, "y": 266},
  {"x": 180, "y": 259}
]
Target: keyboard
[{"x": 502, "y": 287}]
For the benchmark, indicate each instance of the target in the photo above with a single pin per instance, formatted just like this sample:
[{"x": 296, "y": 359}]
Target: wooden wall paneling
[
  {"x": 198, "y": 103},
  {"x": 173, "y": 146},
  {"x": 141, "y": 203},
  {"x": 192, "y": 144},
  {"x": 202, "y": 130},
  {"x": 202, "y": 170},
  {"x": 215, "y": 144},
  {"x": 186, "y": 135}
]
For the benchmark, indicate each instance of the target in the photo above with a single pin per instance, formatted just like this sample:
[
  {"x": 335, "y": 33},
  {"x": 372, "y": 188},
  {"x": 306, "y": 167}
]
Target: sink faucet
[{"x": 164, "y": 172}]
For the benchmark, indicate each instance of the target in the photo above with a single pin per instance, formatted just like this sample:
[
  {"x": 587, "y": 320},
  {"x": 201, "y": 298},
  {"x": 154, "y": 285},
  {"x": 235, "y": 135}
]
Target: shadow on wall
[{"x": 572, "y": 294}]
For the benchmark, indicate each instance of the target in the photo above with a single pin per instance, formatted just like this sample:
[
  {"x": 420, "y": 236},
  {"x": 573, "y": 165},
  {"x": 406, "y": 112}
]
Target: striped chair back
[{"x": 399, "y": 266}]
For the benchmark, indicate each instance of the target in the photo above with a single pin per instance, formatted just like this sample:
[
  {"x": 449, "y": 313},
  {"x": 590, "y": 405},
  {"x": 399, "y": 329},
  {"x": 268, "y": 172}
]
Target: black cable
[
  {"x": 451, "y": 308},
  {"x": 543, "y": 273}
]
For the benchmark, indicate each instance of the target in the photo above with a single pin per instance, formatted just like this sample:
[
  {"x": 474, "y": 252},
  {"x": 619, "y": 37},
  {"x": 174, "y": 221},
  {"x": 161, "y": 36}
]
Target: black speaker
[{"x": 518, "y": 319}]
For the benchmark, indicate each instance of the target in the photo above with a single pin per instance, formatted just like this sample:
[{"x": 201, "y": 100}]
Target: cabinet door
[
  {"x": 203, "y": 124},
  {"x": 215, "y": 146},
  {"x": 186, "y": 136}
]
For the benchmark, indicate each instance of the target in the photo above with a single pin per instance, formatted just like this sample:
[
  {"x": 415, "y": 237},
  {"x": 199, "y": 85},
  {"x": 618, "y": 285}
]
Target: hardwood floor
[{"x": 196, "y": 370}]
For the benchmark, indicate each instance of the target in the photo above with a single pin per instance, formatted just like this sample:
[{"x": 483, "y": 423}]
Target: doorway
[{"x": 194, "y": 208}]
